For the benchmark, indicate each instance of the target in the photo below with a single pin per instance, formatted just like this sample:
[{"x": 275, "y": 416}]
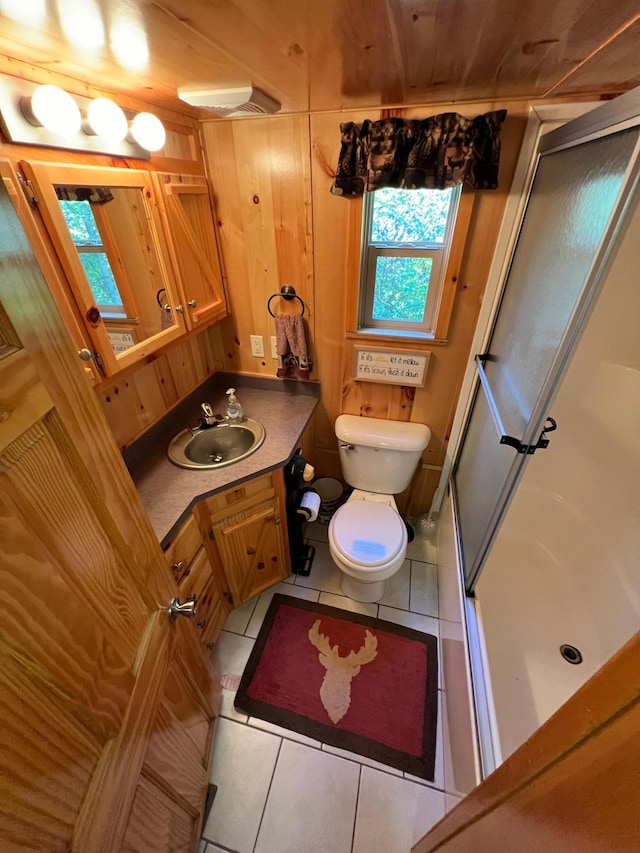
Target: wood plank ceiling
[{"x": 334, "y": 54}]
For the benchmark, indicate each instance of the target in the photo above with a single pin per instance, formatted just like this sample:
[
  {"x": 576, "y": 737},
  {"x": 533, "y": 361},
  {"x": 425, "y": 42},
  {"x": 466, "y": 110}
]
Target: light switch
[{"x": 274, "y": 348}]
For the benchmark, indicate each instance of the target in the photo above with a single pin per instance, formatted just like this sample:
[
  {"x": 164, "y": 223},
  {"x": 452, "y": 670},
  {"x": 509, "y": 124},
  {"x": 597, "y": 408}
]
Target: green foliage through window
[
  {"x": 410, "y": 216},
  {"x": 86, "y": 238},
  {"x": 98, "y": 272},
  {"x": 401, "y": 288},
  {"x": 407, "y": 234},
  {"x": 80, "y": 222}
]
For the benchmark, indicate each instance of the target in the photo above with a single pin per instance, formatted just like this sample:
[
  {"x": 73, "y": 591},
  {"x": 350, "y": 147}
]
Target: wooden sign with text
[{"x": 399, "y": 367}]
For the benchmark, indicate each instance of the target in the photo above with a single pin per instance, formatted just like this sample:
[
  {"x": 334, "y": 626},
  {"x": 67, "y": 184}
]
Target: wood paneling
[
  {"x": 587, "y": 76},
  {"x": 136, "y": 401},
  {"x": 340, "y": 54},
  {"x": 264, "y": 189},
  {"x": 337, "y": 253},
  {"x": 260, "y": 175}
]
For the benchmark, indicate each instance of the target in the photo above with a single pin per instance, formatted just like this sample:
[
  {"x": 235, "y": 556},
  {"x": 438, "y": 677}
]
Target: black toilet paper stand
[{"x": 301, "y": 554}]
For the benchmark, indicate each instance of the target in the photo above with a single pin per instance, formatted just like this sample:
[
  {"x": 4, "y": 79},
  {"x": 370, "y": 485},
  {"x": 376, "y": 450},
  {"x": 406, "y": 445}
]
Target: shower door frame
[
  {"x": 615, "y": 115},
  {"x": 612, "y": 117}
]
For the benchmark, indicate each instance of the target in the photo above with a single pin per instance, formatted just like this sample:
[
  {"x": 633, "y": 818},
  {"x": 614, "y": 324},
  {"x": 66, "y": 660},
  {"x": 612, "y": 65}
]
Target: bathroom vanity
[{"x": 224, "y": 530}]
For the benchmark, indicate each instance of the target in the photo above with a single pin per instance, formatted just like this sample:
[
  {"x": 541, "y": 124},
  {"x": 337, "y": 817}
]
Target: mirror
[
  {"x": 122, "y": 274},
  {"x": 112, "y": 249}
]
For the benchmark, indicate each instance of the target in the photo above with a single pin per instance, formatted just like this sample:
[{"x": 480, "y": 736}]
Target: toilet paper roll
[{"x": 309, "y": 505}]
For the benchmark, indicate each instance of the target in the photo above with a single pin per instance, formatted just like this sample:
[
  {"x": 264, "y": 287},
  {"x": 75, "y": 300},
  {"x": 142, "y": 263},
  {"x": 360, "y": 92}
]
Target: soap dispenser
[{"x": 234, "y": 409}]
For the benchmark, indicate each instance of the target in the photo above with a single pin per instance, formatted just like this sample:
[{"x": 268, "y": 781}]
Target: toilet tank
[{"x": 377, "y": 455}]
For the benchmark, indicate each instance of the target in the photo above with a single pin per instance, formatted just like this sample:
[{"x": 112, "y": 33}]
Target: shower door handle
[{"x": 518, "y": 446}]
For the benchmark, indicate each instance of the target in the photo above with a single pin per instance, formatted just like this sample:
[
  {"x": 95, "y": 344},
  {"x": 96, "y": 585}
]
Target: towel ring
[{"x": 288, "y": 292}]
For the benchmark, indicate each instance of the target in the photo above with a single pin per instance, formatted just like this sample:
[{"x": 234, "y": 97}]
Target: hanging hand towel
[{"x": 291, "y": 345}]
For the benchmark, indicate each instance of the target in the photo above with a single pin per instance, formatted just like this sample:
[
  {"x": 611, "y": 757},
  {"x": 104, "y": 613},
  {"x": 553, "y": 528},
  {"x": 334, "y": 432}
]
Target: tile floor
[{"x": 281, "y": 792}]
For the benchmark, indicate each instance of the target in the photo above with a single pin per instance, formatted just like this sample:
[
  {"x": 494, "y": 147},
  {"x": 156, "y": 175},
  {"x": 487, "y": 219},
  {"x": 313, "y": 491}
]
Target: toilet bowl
[
  {"x": 368, "y": 543},
  {"x": 367, "y": 536}
]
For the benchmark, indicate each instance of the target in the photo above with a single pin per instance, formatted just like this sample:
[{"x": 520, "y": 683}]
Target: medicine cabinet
[
  {"x": 193, "y": 240},
  {"x": 139, "y": 252}
]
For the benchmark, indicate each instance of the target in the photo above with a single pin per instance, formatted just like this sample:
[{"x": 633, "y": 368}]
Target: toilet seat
[{"x": 367, "y": 534}]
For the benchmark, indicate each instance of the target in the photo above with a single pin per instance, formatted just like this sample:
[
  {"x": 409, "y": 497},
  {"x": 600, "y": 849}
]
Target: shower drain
[{"x": 570, "y": 653}]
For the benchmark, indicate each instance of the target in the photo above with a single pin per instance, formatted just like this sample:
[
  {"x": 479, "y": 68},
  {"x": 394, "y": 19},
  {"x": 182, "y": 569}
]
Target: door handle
[
  {"x": 189, "y": 609},
  {"x": 516, "y": 443}
]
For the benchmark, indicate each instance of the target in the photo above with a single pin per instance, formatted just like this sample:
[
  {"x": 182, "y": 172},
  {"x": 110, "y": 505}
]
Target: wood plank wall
[
  {"x": 279, "y": 224},
  {"x": 140, "y": 398}
]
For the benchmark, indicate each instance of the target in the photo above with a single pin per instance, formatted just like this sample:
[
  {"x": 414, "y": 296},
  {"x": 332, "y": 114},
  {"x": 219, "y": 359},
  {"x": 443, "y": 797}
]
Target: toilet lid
[{"x": 368, "y": 533}]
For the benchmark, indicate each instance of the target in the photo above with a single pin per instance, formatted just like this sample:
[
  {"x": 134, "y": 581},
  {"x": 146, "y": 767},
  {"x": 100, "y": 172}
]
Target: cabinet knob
[
  {"x": 180, "y": 309},
  {"x": 192, "y": 303},
  {"x": 167, "y": 308},
  {"x": 85, "y": 354},
  {"x": 277, "y": 520},
  {"x": 179, "y": 566},
  {"x": 188, "y": 609}
]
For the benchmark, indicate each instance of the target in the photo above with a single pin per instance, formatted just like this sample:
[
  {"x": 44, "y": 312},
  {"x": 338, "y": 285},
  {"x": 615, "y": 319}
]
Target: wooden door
[
  {"x": 252, "y": 548},
  {"x": 105, "y": 706},
  {"x": 192, "y": 236},
  {"x": 131, "y": 241},
  {"x": 54, "y": 275}
]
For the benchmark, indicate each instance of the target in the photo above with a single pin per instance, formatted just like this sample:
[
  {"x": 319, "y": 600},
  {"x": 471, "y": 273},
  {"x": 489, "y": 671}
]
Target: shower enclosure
[{"x": 547, "y": 477}]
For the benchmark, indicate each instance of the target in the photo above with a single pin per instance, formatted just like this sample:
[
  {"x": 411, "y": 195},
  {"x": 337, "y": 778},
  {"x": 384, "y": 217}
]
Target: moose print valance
[{"x": 432, "y": 153}]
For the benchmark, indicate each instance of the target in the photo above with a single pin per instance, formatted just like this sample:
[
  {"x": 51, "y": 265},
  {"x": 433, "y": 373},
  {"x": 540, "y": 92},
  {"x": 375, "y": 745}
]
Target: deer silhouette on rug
[{"x": 335, "y": 691}]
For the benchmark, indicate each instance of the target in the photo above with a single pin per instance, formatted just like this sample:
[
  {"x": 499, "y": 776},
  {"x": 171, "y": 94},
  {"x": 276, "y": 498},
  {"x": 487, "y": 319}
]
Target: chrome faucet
[
  {"x": 206, "y": 413},
  {"x": 207, "y": 417}
]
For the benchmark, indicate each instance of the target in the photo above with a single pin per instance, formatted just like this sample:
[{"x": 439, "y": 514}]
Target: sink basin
[{"x": 216, "y": 446}]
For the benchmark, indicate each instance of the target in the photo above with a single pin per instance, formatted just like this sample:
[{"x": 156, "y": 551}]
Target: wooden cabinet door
[
  {"x": 88, "y": 657},
  {"x": 191, "y": 232},
  {"x": 124, "y": 245},
  {"x": 252, "y": 547},
  {"x": 54, "y": 276}
]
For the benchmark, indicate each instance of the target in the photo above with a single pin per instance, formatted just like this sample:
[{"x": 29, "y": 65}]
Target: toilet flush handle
[{"x": 347, "y": 447}]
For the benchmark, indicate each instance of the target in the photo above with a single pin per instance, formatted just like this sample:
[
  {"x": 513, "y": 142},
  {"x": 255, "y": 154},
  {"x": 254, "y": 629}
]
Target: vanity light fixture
[
  {"x": 52, "y": 108},
  {"x": 148, "y": 131},
  {"x": 106, "y": 120},
  {"x": 49, "y": 117}
]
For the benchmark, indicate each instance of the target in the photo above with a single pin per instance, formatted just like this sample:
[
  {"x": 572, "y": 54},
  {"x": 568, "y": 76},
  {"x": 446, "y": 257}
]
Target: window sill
[{"x": 395, "y": 336}]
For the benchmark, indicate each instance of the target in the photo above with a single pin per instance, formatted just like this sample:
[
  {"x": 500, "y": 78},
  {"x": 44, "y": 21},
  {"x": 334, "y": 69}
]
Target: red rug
[{"x": 348, "y": 680}]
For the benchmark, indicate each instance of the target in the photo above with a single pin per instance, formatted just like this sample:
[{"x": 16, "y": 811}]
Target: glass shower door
[{"x": 574, "y": 208}]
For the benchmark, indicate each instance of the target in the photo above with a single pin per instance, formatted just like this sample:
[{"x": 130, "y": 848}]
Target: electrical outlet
[
  {"x": 274, "y": 349},
  {"x": 257, "y": 346}
]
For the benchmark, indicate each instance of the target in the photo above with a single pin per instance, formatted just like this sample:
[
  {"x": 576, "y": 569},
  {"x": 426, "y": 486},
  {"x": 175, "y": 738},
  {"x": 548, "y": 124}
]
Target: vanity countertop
[{"x": 168, "y": 493}]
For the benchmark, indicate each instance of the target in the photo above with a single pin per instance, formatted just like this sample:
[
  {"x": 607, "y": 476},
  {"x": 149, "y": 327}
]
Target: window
[
  {"x": 407, "y": 236},
  {"x": 87, "y": 240}
]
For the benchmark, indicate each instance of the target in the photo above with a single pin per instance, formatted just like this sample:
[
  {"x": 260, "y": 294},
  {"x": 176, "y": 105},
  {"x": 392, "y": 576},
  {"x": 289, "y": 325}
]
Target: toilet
[{"x": 367, "y": 536}]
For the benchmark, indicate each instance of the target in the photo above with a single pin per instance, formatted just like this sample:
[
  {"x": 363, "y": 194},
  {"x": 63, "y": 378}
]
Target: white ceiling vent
[{"x": 231, "y": 102}]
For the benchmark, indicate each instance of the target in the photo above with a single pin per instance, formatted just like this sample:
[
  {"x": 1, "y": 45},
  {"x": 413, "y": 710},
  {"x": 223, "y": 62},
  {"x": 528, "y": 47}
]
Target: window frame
[{"x": 446, "y": 256}]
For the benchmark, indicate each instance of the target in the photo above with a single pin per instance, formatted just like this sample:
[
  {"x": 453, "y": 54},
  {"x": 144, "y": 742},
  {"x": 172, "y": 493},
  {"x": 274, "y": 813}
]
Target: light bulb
[
  {"x": 106, "y": 120},
  {"x": 148, "y": 131},
  {"x": 54, "y": 109}
]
